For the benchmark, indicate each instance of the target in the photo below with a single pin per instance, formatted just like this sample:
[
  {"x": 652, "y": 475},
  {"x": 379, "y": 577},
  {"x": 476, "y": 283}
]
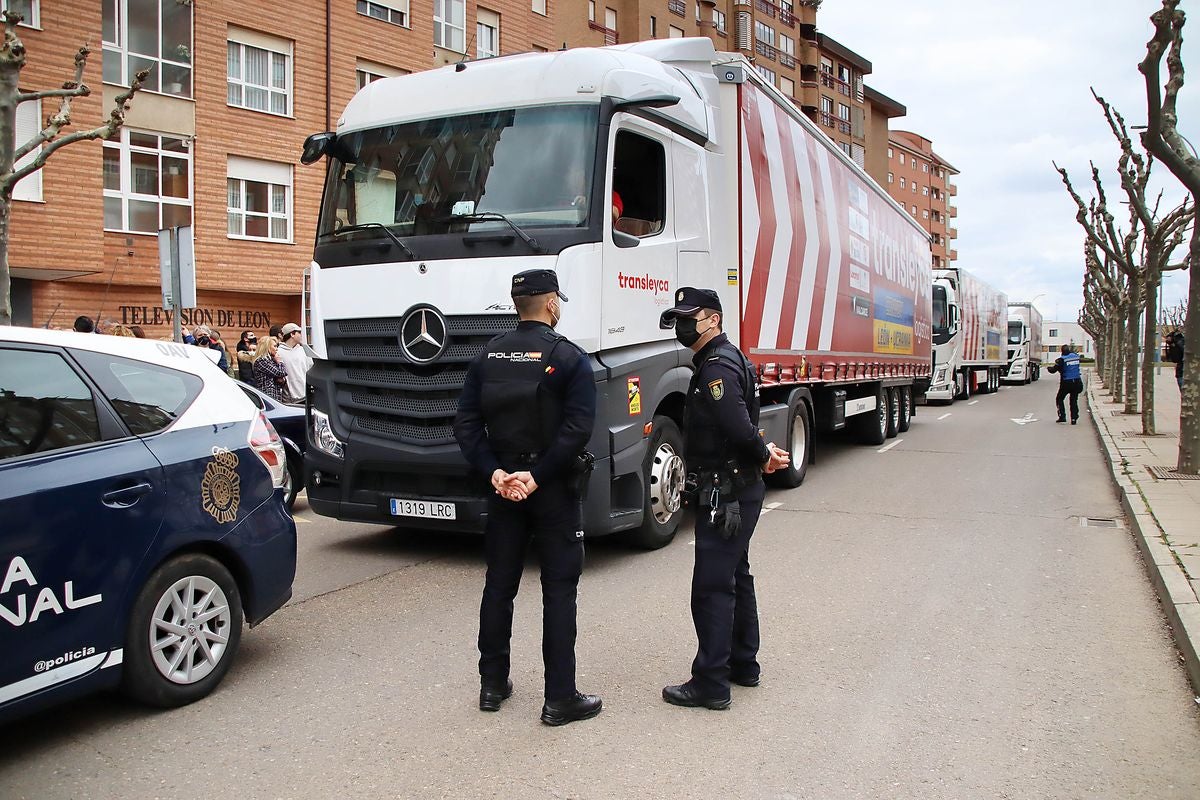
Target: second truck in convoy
[
  {"x": 969, "y": 319},
  {"x": 631, "y": 171},
  {"x": 1024, "y": 343}
]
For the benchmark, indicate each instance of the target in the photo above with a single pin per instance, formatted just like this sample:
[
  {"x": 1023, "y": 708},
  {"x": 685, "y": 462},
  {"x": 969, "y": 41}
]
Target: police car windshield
[{"x": 532, "y": 165}]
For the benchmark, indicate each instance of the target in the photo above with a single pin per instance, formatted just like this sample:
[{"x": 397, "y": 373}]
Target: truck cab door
[{"x": 641, "y": 249}]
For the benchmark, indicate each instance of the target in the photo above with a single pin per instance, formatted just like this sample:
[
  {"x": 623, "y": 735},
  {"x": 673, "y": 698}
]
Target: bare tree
[
  {"x": 49, "y": 140},
  {"x": 1162, "y": 138},
  {"x": 1174, "y": 316},
  {"x": 1106, "y": 291}
]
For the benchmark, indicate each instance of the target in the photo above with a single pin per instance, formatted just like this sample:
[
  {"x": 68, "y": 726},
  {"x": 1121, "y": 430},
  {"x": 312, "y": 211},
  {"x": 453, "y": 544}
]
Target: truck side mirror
[
  {"x": 316, "y": 146},
  {"x": 953, "y": 319}
]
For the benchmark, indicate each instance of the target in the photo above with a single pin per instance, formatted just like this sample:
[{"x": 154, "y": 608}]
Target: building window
[
  {"x": 827, "y": 108},
  {"x": 940, "y": 173},
  {"x": 539, "y": 7},
  {"x": 591, "y": 10},
  {"x": 787, "y": 45},
  {"x": 147, "y": 182},
  {"x": 925, "y": 190},
  {"x": 914, "y": 211},
  {"x": 29, "y": 9},
  {"x": 843, "y": 73},
  {"x": 259, "y": 70},
  {"x": 653, "y": 28},
  {"x": 766, "y": 73},
  {"x": 1053, "y": 333},
  {"x": 924, "y": 213},
  {"x": 859, "y": 154},
  {"x": 764, "y": 33},
  {"x": 719, "y": 21},
  {"x": 393, "y": 11},
  {"x": 826, "y": 65},
  {"x": 890, "y": 177},
  {"x": 913, "y": 184},
  {"x": 697, "y": 10},
  {"x": 259, "y": 199},
  {"x": 674, "y": 33},
  {"x": 368, "y": 72},
  {"x": 450, "y": 24},
  {"x": 487, "y": 34},
  {"x": 924, "y": 167},
  {"x": 845, "y": 147},
  {"x": 147, "y": 34},
  {"x": 29, "y": 124},
  {"x": 843, "y": 111},
  {"x": 787, "y": 86},
  {"x": 902, "y": 185},
  {"x": 889, "y": 152}
]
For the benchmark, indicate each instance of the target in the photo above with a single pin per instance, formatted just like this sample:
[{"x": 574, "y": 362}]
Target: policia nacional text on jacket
[{"x": 526, "y": 413}]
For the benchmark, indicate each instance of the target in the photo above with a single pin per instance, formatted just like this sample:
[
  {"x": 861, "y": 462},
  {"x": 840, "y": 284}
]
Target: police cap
[
  {"x": 689, "y": 300},
  {"x": 536, "y": 281}
]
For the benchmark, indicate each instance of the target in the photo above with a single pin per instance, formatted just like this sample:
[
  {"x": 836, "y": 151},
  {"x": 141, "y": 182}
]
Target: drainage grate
[
  {"x": 1169, "y": 474},
  {"x": 1098, "y": 522},
  {"x": 1136, "y": 435}
]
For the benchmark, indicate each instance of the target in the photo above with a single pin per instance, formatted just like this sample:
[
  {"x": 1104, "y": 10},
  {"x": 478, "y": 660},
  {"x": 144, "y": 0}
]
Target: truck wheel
[
  {"x": 873, "y": 425},
  {"x": 906, "y": 407},
  {"x": 664, "y": 473},
  {"x": 799, "y": 444},
  {"x": 183, "y": 632},
  {"x": 893, "y": 406}
]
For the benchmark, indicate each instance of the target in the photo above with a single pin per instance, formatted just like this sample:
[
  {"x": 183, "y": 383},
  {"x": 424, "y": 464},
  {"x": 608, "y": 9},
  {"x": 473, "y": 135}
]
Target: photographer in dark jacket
[{"x": 1174, "y": 353}]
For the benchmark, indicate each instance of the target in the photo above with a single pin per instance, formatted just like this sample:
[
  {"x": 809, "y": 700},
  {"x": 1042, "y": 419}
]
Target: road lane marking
[
  {"x": 973, "y": 402},
  {"x": 889, "y": 447},
  {"x": 302, "y": 519},
  {"x": 770, "y": 507},
  {"x": 943, "y": 416}
]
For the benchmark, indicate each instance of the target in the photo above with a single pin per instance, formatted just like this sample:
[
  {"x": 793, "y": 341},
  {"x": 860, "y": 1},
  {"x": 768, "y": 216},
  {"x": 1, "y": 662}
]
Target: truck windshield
[
  {"x": 1015, "y": 332},
  {"x": 941, "y": 313},
  {"x": 533, "y": 165}
]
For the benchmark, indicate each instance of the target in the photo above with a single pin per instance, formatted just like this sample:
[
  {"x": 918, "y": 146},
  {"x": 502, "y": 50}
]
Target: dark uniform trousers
[
  {"x": 551, "y": 515},
  {"x": 724, "y": 608},
  {"x": 1070, "y": 388}
]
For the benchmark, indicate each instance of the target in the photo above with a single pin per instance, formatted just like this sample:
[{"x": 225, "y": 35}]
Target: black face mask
[{"x": 685, "y": 331}]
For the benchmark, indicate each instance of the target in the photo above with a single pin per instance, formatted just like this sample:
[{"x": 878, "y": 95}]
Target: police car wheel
[
  {"x": 798, "y": 444},
  {"x": 183, "y": 633},
  {"x": 906, "y": 407},
  {"x": 664, "y": 474},
  {"x": 291, "y": 482}
]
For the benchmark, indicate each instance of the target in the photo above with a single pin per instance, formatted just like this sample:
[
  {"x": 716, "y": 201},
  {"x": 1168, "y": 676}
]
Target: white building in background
[{"x": 1056, "y": 334}]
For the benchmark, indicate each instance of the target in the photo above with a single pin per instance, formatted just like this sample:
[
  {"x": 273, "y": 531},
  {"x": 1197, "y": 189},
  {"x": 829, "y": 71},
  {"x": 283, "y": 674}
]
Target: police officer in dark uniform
[
  {"x": 726, "y": 457},
  {"x": 526, "y": 414},
  {"x": 1070, "y": 382}
]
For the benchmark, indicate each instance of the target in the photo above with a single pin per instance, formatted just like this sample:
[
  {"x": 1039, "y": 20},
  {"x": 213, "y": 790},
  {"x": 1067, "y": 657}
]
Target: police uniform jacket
[
  {"x": 528, "y": 403},
  {"x": 722, "y": 409}
]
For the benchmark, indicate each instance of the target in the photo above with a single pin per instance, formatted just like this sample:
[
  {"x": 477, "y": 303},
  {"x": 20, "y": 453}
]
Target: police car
[{"x": 141, "y": 519}]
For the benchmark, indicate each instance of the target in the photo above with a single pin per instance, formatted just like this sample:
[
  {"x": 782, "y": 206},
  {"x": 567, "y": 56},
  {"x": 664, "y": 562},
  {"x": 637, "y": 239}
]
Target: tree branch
[
  {"x": 56, "y": 122},
  {"x": 1161, "y": 136}
]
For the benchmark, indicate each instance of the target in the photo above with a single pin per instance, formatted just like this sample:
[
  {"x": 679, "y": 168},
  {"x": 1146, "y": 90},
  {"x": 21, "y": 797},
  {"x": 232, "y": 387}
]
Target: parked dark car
[{"x": 288, "y": 421}]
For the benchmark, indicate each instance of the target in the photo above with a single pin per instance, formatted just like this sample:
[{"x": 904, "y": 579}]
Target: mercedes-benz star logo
[{"x": 423, "y": 335}]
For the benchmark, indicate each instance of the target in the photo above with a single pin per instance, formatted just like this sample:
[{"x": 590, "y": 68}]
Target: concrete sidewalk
[{"x": 1164, "y": 513}]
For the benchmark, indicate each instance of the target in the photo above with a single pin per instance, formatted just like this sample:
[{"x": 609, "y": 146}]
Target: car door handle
[{"x": 127, "y": 496}]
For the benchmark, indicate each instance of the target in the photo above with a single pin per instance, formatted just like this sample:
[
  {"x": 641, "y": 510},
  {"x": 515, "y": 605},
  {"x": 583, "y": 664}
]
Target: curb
[{"x": 1170, "y": 582}]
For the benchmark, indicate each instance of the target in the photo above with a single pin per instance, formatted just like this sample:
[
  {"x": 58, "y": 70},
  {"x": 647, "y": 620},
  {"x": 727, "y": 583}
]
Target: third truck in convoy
[
  {"x": 1024, "y": 343},
  {"x": 631, "y": 171},
  {"x": 969, "y": 319}
]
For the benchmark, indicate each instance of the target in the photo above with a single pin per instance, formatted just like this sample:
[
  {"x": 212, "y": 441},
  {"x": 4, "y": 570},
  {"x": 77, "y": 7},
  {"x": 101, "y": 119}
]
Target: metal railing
[
  {"x": 610, "y": 36},
  {"x": 770, "y": 9},
  {"x": 787, "y": 60},
  {"x": 827, "y": 119},
  {"x": 764, "y": 49},
  {"x": 677, "y": 7}
]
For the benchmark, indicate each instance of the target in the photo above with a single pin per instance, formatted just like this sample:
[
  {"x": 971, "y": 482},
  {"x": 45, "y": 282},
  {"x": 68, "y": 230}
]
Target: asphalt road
[{"x": 936, "y": 624}]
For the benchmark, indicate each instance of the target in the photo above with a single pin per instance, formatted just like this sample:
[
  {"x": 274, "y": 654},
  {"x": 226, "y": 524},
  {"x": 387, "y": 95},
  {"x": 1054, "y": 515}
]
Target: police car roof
[{"x": 197, "y": 360}]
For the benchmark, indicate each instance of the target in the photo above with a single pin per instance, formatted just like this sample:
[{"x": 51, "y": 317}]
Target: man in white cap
[{"x": 295, "y": 360}]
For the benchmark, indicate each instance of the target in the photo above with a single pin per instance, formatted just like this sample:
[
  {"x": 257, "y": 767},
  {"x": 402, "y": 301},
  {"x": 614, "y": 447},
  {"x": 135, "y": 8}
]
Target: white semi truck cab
[
  {"x": 968, "y": 329},
  {"x": 1024, "y": 343}
]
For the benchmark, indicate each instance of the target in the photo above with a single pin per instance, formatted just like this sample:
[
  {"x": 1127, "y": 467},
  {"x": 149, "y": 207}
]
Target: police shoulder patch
[{"x": 717, "y": 388}]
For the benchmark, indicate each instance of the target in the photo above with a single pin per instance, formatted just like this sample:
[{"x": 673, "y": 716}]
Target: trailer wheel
[
  {"x": 799, "y": 444},
  {"x": 873, "y": 426},
  {"x": 906, "y": 407},
  {"x": 893, "y": 408},
  {"x": 664, "y": 474}
]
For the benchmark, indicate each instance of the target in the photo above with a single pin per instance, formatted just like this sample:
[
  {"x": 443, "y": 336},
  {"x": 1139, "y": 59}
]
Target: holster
[{"x": 580, "y": 474}]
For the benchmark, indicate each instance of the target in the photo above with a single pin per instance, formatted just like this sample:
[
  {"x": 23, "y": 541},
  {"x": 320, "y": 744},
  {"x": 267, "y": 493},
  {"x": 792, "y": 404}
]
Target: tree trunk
[
  {"x": 1118, "y": 358},
  {"x": 1150, "y": 349},
  {"x": 10, "y": 75},
  {"x": 1189, "y": 405},
  {"x": 1132, "y": 342}
]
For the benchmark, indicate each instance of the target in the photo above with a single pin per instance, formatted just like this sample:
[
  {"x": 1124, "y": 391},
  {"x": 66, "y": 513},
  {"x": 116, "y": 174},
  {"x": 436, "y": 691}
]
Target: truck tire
[
  {"x": 173, "y": 658},
  {"x": 664, "y": 474},
  {"x": 893, "y": 406},
  {"x": 873, "y": 425},
  {"x": 799, "y": 444},
  {"x": 906, "y": 407},
  {"x": 963, "y": 383}
]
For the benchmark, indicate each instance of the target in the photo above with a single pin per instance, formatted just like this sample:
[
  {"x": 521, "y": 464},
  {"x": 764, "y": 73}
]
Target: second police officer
[
  {"x": 525, "y": 416},
  {"x": 1070, "y": 382},
  {"x": 727, "y": 456}
]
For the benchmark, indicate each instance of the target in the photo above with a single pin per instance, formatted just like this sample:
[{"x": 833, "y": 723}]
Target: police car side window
[
  {"x": 148, "y": 397},
  {"x": 44, "y": 404}
]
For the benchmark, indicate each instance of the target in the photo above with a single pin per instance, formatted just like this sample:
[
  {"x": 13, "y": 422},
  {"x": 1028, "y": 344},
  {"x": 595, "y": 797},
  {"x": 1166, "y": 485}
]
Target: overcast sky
[{"x": 1002, "y": 90}]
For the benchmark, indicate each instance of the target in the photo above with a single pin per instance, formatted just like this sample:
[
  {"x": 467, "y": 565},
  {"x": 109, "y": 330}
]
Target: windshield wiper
[
  {"x": 364, "y": 226},
  {"x": 495, "y": 216}
]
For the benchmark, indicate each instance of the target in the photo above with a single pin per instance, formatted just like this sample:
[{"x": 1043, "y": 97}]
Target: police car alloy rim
[
  {"x": 666, "y": 483},
  {"x": 189, "y": 630}
]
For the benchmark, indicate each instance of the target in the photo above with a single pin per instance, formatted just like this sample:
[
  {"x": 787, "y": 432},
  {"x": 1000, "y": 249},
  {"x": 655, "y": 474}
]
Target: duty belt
[{"x": 520, "y": 459}]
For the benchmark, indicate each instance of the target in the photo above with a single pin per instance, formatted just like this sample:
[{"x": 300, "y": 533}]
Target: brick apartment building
[
  {"x": 213, "y": 140},
  {"x": 919, "y": 179},
  {"x": 823, "y": 77}
]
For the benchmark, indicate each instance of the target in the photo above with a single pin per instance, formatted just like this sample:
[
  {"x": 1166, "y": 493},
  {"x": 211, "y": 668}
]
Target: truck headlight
[{"x": 323, "y": 437}]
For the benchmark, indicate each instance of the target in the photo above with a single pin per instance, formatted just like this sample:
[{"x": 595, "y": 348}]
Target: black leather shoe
[
  {"x": 685, "y": 695},
  {"x": 1074, "y": 421},
  {"x": 581, "y": 706},
  {"x": 745, "y": 680},
  {"x": 490, "y": 697},
  {"x": 1061, "y": 419}
]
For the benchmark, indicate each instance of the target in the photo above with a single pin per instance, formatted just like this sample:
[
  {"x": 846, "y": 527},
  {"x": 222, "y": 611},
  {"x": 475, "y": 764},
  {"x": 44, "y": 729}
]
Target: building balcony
[
  {"x": 765, "y": 50},
  {"x": 952, "y": 189},
  {"x": 764, "y": 7},
  {"x": 827, "y": 119},
  {"x": 952, "y": 233},
  {"x": 677, "y": 7},
  {"x": 809, "y": 96},
  {"x": 787, "y": 60},
  {"x": 787, "y": 18},
  {"x": 610, "y": 36},
  {"x": 954, "y": 255},
  {"x": 844, "y": 126},
  {"x": 952, "y": 210}
]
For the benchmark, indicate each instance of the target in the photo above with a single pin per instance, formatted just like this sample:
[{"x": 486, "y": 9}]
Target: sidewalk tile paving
[{"x": 1164, "y": 514}]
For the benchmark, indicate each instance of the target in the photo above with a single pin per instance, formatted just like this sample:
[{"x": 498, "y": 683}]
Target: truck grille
[{"x": 388, "y": 395}]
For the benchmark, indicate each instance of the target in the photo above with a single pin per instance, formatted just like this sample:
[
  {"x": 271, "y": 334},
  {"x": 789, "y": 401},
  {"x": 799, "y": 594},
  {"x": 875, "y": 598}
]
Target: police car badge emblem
[
  {"x": 221, "y": 488},
  {"x": 717, "y": 388}
]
